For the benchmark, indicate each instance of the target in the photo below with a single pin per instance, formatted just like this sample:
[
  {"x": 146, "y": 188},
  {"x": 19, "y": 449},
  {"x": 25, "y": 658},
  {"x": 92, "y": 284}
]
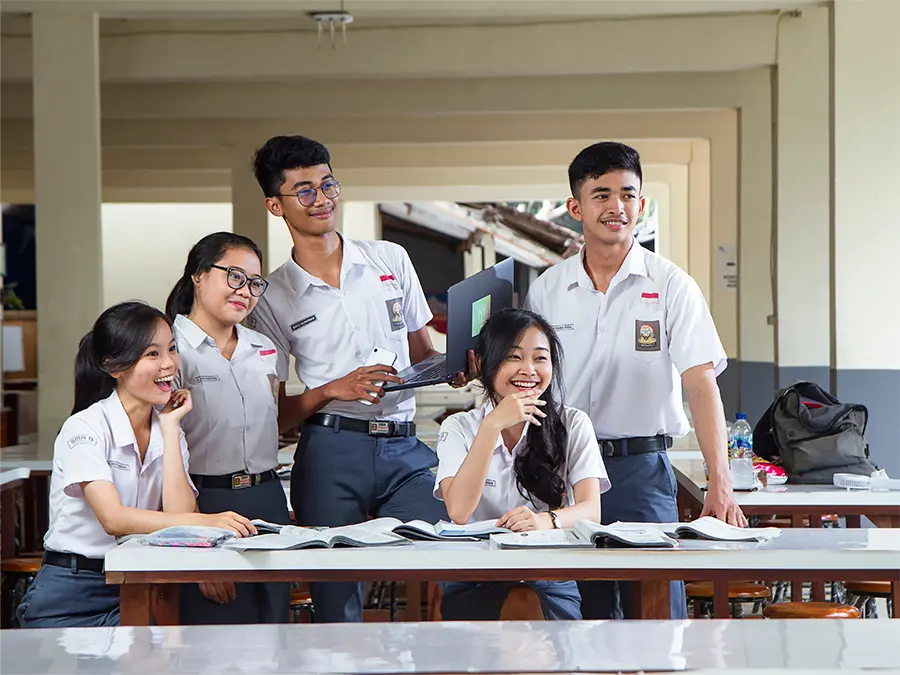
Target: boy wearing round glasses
[{"x": 330, "y": 305}]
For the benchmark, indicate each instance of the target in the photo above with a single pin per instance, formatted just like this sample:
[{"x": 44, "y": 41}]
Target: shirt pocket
[{"x": 645, "y": 335}]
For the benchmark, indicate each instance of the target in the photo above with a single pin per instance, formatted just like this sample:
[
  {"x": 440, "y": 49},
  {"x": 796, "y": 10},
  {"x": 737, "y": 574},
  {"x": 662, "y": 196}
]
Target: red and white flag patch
[
  {"x": 267, "y": 352},
  {"x": 387, "y": 277},
  {"x": 650, "y": 298}
]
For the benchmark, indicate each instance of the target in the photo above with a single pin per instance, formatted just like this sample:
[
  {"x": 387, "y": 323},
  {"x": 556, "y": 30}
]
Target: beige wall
[{"x": 145, "y": 246}]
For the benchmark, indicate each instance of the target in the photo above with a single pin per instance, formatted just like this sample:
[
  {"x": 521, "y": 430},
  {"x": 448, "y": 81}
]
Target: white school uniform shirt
[
  {"x": 332, "y": 331},
  {"x": 98, "y": 444},
  {"x": 625, "y": 350},
  {"x": 501, "y": 493},
  {"x": 233, "y": 425}
]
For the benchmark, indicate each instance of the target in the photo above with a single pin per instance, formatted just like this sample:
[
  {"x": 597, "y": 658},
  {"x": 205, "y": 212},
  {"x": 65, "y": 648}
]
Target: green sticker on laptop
[{"x": 481, "y": 310}]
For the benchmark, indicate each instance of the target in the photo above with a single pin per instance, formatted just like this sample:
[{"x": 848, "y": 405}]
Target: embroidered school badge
[
  {"x": 646, "y": 336},
  {"x": 395, "y": 313}
]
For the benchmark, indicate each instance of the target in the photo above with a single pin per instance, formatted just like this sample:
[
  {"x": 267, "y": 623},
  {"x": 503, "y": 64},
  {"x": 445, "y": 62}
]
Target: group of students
[{"x": 176, "y": 416}]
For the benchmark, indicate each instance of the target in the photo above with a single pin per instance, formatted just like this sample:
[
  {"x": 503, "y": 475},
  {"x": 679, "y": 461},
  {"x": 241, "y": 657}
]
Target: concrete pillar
[
  {"x": 803, "y": 296},
  {"x": 67, "y": 182},
  {"x": 249, "y": 216},
  {"x": 866, "y": 297}
]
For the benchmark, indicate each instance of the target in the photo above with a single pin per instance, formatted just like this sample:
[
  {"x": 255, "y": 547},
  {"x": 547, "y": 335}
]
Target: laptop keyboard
[{"x": 438, "y": 371}]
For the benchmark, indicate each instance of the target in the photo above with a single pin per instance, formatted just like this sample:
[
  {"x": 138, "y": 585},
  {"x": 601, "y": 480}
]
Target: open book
[
  {"x": 378, "y": 532},
  {"x": 717, "y": 530},
  {"x": 587, "y": 534}
]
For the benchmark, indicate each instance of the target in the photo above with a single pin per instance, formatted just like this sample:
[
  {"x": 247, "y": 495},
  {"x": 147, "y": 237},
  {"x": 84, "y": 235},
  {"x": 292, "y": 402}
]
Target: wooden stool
[
  {"x": 17, "y": 573},
  {"x": 301, "y": 600},
  {"x": 862, "y": 595},
  {"x": 810, "y": 610},
  {"x": 701, "y": 592},
  {"x": 522, "y": 604}
]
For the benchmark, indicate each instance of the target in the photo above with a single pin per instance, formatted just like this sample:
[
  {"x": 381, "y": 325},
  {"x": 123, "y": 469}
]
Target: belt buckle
[
  {"x": 608, "y": 448},
  {"x": 379, "y": 428},
  {"x": 240, "y": 481}
]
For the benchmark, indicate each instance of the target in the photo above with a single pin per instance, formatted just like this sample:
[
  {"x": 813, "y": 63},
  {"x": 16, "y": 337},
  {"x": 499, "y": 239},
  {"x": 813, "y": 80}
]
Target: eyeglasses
[
  {"x": 237, "y": 278},
  {"x": 308, "y": 195}
]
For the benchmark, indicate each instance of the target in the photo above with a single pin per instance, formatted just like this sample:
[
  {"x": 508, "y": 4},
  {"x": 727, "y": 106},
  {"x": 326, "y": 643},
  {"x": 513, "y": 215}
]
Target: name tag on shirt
[
  {"x": 121, "y": 466},
  {"x": 490, "y": 482},
  {"x": 200, "y": 379},
  {"x": 564, "y": 326},
  {"x": 303, "y": 322}
]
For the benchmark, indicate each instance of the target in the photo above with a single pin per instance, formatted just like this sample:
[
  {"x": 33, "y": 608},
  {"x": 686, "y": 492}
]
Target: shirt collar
[
  {"x": 635, "y": 263},
  {"x": 123, "y": 434},
  {"x": 301, "y": 279},
  {"x": 196, "y": 336},
  {"x": 486, "y": 407}
]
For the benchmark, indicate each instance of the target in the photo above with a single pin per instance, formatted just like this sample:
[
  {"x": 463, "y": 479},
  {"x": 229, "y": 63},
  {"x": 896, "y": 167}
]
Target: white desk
[
  {"x": 787, "y": 499},
  {"x": 14, "y": 476},
  {"x": 488, "y": 647},
  {"x": 827, "y": 555}
]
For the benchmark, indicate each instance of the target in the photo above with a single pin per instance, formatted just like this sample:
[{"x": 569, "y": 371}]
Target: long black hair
[
  {"x": 541, "y": 466},
  {"x": 204, "y": 254},
  {"x": 115, "y": 343}
]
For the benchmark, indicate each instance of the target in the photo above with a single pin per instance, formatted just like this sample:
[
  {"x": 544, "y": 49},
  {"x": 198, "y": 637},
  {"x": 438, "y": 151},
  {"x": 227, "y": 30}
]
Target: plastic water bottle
[{"x": 740, "y": 453}]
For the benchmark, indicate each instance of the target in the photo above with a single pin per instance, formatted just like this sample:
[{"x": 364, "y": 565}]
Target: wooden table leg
[
  {"x": 797, "y": 586},
  {"x": 8, "y": 531},
  {"x": 721, "y": 609},
  {"x": 818, "y": 587},
  {"x": 650, "y": 600},
  {"x": 413, "y": 601},
  {"x": 134, "y": 604},
  {"x": 854, "y": 521}
]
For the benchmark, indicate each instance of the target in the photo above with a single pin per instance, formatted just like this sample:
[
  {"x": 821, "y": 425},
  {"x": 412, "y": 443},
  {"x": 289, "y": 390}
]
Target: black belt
[
  {"x": 622, "y": 447},
  {"x": 73, "y": 561},
  {"x": 234, "y": 481},
  {"x": 370, "y": 427}
]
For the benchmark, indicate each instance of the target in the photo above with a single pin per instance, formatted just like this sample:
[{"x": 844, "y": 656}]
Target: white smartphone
[{"x": 380, "y": 357}]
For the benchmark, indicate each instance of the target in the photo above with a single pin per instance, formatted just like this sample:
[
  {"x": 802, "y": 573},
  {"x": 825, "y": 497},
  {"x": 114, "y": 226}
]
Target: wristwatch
[{"x": 554, "y": 517}]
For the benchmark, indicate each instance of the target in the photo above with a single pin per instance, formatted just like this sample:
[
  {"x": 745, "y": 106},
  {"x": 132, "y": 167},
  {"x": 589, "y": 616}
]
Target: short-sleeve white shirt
[
  {"x": 501, "y": 492},
  {"x": 332, "y": 331},
  {"x": 233, "y": 425},
  {"x": 625, "y": 350},
  {"x": 98, "y": 444}
]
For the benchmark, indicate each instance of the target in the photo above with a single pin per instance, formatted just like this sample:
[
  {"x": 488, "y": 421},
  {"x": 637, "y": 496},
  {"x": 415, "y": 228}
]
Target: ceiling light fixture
[{"x": 329, "y": 20}]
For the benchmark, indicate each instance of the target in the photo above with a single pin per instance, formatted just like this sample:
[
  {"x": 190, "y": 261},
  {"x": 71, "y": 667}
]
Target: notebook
[
  {"x": 588, "y": 534},
  {"x": 377, "y": 532}
]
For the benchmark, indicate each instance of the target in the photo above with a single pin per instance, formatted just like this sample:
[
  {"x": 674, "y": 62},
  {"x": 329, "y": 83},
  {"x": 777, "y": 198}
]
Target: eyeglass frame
[
  {"x": 315, "y": 191},
  {"x": 247, "y": 280}
]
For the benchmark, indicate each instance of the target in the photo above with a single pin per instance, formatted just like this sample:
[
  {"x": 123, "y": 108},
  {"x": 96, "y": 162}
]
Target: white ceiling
[{"x": 398, "y": 12}]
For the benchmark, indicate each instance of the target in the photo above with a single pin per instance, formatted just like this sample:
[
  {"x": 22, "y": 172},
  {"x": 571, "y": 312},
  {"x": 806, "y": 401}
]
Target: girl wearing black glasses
[{"x": 232, "y": 433}]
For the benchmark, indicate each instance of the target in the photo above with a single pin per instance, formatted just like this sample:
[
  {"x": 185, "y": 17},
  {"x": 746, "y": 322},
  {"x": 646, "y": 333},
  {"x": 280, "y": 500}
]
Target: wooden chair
[
  {"x": 862, "y": 595},
  {"x": 810, "y": 610},
  {"x": 301, "y": 602},
  {"x": 739, "y": 592}
]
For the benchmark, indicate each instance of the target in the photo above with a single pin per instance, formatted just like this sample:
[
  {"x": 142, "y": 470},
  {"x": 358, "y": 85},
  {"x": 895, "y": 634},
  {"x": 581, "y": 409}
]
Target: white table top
[
  {"x": 802, "y": 549},
  {"x": 11, "y": 475},
  {"x": 690, "y": 475},
  {"x": 490, "y": 647}
]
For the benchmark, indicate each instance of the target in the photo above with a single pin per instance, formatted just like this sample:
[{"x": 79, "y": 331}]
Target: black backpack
[{"x": 814, "y": 435}]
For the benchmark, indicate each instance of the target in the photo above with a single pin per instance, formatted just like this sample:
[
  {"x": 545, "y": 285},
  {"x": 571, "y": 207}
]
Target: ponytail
[
  {"x": 92, "y": 383},
  {"x": 204, "y": 254},
  {"x": 181, "y": 299},
  {"x": 116, "y": 342}
]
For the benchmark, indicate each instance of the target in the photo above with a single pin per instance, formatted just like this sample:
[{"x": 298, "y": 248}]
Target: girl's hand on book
[{"x": 523, "y": 519}]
